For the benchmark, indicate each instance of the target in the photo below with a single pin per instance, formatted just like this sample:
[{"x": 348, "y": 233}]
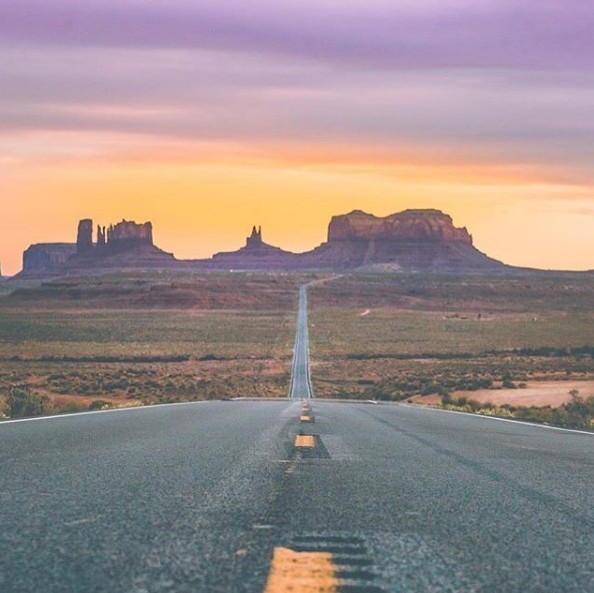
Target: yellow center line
[
  {"x": 305, "y": 418},
  {"x": 305, "y": 440},
  {"x": 301, "y": 572}
]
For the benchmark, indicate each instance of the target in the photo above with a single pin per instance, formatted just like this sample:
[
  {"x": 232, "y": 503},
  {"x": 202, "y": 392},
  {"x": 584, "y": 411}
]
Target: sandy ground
[{"x": 536, "y": 393}]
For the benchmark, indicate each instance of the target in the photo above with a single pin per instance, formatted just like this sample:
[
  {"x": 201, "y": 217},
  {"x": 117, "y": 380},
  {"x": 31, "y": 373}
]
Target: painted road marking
[
  {"x": 305, "y": 418},
  {"x": 301, "y": 572},
  {"x": 305, "y": 440},
  {"x": 323, "y": 563}
]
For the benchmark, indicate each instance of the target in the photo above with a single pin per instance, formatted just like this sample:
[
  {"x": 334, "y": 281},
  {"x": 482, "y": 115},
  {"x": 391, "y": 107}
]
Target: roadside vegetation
[
  {"x": 20, "y": 402},
  {"x": 430, "y": 338},
  {"x": 576, "y": 413},
  {"x": 57, "y": 356}
]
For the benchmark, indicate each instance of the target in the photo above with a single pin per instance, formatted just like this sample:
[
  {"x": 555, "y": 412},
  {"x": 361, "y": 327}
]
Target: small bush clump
[
  {"x": 21, "y": 402},
  {"x": 577, "y": 413}
]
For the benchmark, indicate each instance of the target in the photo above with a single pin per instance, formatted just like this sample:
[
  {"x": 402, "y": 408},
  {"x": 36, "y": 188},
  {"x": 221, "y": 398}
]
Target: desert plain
[{"x": 488, "y": 344}]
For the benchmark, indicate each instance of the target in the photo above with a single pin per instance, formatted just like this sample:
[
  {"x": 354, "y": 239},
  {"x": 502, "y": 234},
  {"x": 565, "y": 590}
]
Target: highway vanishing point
[{"x": 296, "y": 495}]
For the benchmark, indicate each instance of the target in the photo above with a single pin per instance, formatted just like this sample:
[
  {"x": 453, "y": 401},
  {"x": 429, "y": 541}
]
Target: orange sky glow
[{"x": 204, "y": 198}]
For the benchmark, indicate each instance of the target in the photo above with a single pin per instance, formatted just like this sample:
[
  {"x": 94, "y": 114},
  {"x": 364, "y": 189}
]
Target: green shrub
[
  {"x": 69, "y": 407},
  {"x": 22, "y": 403},
  {"x": 99, "y": 404}
]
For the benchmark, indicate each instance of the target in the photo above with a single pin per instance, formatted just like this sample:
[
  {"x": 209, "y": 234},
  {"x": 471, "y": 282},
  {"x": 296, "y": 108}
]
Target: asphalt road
[
  {"x": 201, "y": 498},
  {"x": 300, "y": 384}
]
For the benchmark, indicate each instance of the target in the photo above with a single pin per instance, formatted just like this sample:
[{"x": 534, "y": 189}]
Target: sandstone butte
[
  {"x": 410, "y": 225},
  {"x": 412, "y": 240}
]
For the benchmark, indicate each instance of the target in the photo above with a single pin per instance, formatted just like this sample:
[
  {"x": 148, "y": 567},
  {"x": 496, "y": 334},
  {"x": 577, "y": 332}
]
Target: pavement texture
[
  {"x": 222, "y": 497},
  {"x": 300, "y": 387}
]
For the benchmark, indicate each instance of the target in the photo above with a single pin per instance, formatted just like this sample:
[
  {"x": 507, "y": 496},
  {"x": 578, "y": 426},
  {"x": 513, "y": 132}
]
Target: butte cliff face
[
  {"x": 126, "y": 244},
  {"x": 123, "y": 236},
  {"x": 46, "y": 259},
  {"x": 123, "y": 245},
  {"x": 410, "y": 225},
  {"x": 412, "y": 240}
]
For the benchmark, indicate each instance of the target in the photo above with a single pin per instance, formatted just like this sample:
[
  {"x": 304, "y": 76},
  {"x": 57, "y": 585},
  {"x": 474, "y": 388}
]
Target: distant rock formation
[
  {"x": 409, "y": 225},
  {"x": 45, "y": 259},
  {"x": 126, "y": 244},
  {"x": 84, "y": 237},
  {"x": 255, "y": 254},
  {"x": 254, "y": 241},
  {"x": 122, "y": 236},
  {"x": 127, "y": 235},
  {"x": 412, "y": 240},
  {"x": 123, "y": 245}
]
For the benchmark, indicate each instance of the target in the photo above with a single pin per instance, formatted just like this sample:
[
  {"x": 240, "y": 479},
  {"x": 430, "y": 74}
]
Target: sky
[{"x": 207, "y": 117}]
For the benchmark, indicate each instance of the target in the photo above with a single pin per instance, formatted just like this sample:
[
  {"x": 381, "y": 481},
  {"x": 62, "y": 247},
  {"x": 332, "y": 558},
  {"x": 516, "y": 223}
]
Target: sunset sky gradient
[{"x": 208, "y": 116}]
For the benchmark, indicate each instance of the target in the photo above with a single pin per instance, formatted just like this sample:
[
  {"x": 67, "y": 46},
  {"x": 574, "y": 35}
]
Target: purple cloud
[{"x": 377, "y": 34}]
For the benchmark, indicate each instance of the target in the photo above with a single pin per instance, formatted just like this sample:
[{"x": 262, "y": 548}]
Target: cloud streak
[
  {"x": 532, "y": 34},
  {"x": 531, "y": 118}
]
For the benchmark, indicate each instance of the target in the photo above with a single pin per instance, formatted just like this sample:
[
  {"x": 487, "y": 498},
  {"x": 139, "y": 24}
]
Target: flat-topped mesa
[
  {"x": 42, "y": 259},
  {"x": 413, "y": 240},
  {"x": 407, "y": 226}
]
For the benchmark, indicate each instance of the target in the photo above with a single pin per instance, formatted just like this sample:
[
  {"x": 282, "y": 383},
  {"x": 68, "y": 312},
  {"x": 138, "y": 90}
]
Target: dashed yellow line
[
  {"x": 305, "y": 418},
  {"x": 301, "y": 572},
  {"x": 305, "y": 440}
]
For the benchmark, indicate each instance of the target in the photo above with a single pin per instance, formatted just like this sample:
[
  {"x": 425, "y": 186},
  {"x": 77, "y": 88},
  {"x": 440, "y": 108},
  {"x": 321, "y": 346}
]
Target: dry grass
[
  {"x": 78, "y": 350},
  {"x": 371, "y": 338}
]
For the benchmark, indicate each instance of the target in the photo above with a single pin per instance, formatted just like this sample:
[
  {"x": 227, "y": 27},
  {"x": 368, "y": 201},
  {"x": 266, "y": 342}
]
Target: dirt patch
[
  {"x": 427, "y": 400},
  {"x": 536, "y": 393}
]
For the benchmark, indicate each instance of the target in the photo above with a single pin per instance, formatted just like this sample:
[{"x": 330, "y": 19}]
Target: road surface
[
  {"x": 202, "y": 497},
  {"x": 300, "y": 387}
]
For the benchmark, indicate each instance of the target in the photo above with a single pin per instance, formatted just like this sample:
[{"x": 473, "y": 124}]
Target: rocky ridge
[{"x": 412, "y": 240}]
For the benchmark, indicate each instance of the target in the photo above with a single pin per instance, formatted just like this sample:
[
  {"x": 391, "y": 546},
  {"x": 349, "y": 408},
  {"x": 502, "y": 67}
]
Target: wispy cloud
[
  {"x": 372, "y": 33},
  {"x": 531, "y": 119}
]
